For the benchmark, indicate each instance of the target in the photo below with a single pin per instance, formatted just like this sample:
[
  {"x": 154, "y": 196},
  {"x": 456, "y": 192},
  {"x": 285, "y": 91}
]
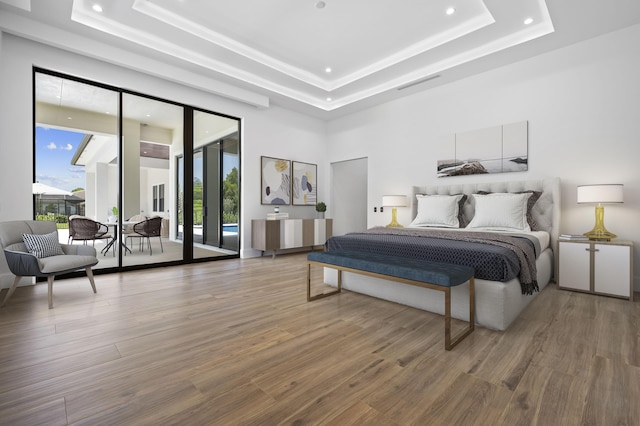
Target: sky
[{"x": 54, "y": 151}]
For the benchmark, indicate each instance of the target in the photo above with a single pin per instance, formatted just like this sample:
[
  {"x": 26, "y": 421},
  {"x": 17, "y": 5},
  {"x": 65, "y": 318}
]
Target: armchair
[{"x": 54, "y": 258}]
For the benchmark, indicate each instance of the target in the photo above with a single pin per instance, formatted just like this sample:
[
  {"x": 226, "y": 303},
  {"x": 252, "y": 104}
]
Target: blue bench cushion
[{"x": 443, "y": 274}]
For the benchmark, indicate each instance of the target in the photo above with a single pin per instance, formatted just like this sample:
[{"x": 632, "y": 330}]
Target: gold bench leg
[
  {"x": 321, "y": 295},
  {"x": 450, "y": 342}
]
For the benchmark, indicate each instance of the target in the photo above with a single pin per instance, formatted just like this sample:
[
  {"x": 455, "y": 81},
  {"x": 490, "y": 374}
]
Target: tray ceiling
[{"x": 331, "y": 54}]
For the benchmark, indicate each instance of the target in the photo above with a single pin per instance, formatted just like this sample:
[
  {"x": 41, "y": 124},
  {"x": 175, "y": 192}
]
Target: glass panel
[
  {"x": 155, "y": 197},
  {"x": 231, "y": 193},
  {"x": 197, "y": 197},
  {"x": 76, "y": 159},
  {"x": 211, "y": 188},
  {"x": 180, "y": 197},
  {"x": 215, "y": 144},
  {"x": 161, "y": 197},
  {"x": 152, "y": 140}
]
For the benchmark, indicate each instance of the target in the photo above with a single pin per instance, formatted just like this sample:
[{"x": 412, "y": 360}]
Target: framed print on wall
[
  {"x": 305, "y": 182},
  {"x": 275, "y": 181},
  {"x": 497, "y": 149}
]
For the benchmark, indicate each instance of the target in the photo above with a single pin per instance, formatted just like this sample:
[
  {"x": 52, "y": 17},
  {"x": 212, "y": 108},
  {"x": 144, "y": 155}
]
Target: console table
[{"x": 274, "y": 235}]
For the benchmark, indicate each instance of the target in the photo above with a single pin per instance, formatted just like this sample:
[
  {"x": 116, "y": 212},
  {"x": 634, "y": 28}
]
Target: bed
[{"x": 525, "y": 214}]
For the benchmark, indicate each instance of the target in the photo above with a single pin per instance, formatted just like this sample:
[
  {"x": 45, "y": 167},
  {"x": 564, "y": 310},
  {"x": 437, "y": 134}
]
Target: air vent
[{"x": 415, "y": 83}]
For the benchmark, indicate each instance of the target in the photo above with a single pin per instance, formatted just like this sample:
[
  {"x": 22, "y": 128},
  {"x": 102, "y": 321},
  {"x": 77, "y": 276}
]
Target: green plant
[
  {"x": 61, "y": 220},
  {"x": 321, "y": 207},
  {"x": 114, "y": 210}
]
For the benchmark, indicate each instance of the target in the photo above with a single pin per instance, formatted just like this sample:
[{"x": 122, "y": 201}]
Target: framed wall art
[
  {"x": 275, "y": 181},
  {"x": 497, "y": 149},
  {"x": 304, "y": 184}
]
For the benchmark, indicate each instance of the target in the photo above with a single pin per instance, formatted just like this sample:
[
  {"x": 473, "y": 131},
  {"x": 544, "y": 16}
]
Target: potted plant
[
  {"x": 321, "y": 208},
  {"x": 113, "y": 217}
]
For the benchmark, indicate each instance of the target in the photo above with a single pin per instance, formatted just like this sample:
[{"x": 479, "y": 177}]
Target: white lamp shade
[
  {"x": 394, "y": 201},
  {"x": 600, "y": 193}
]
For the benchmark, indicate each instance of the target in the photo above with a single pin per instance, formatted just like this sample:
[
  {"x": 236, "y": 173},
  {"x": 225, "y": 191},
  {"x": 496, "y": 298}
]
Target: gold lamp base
[
  {"x": 599, "y": 232},
  {"x": 394, "y": 219}
]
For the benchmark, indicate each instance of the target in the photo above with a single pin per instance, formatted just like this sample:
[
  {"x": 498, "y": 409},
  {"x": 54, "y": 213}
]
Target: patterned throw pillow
[{"x": 43, "y": 245}]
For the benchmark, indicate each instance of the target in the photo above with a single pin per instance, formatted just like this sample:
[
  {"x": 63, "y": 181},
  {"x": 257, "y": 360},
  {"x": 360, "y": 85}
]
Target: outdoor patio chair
[
  {"x": 127, "y": 228},
  {"x": 148, "y": 229},
  {"x": 85, "y": 229},
  {"x": 31, "y": 249}
]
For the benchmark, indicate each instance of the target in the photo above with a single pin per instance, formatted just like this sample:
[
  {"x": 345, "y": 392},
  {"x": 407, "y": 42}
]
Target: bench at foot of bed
[{"x": 433, "y": 275}]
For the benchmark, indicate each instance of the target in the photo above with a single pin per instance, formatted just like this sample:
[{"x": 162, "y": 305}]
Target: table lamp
[
  {"x": 599, "y": 194},
  {"x": 394, "y": 201}
]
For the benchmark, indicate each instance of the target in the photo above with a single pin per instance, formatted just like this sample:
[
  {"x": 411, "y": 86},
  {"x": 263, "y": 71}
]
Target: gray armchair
[{"x": 24, "y": 264}]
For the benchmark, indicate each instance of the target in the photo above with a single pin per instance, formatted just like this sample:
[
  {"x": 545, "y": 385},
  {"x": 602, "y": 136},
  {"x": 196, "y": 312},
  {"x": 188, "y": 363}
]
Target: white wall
[
  {"x": 583, "y": 107},
  {"x": 273, "y": 132}
]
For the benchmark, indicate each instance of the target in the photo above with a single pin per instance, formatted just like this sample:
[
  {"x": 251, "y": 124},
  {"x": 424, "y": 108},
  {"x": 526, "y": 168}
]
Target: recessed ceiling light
[
  {"x": 451, "y": 11},
  {"x": 528, "y": 21},
  {"x": 327, "y": 70},
  {"x": 69, "y": 118},
  {"x": 329, "y": 99},
  {"x": 148, "y": 115},
  {"x": 320, "y": 5},
  {"x": 97, "y": 8}
]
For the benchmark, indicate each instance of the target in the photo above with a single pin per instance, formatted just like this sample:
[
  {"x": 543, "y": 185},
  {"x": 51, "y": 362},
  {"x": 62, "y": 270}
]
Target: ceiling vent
[{"x": 415, "y": 83}]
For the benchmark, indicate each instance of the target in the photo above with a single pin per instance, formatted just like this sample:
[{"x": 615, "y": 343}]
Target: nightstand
[{"x": 598, "y": 267}]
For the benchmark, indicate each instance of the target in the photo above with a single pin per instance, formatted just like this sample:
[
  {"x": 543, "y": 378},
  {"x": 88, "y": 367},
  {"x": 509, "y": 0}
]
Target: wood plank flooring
[{"x": 234, "y": 342}]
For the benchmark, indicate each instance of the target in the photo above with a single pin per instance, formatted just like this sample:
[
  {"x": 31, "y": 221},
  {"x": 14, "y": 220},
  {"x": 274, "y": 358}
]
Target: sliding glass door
[
  {"x": 215, "y": 185},
  {"x": 152, "y": 134},
  {"x": 119, "y": 158},
  {"x": 76, "y": 156}
]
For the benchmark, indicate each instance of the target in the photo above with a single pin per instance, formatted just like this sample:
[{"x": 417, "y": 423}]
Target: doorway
[{"x": 349, "y": 195}]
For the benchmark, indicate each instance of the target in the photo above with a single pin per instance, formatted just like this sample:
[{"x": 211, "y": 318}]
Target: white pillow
[
  {"x": 438, "y": 210},
  {"x": 501, "y": 211}
]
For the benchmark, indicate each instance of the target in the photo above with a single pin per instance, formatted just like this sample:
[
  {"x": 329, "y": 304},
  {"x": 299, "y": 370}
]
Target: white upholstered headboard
[{"x": 546, "y": 211}]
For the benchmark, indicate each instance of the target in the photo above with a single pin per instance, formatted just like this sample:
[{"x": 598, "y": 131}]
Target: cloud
[
  {"x": 54, "y": 181},
  {"x": 51, "y": 145},
  {"x": 77, "y": 173},
  {"x": 67, "y": 147}
]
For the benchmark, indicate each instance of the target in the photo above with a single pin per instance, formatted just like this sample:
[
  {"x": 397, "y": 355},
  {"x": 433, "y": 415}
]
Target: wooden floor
[{"x": 234, "y": 342}]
